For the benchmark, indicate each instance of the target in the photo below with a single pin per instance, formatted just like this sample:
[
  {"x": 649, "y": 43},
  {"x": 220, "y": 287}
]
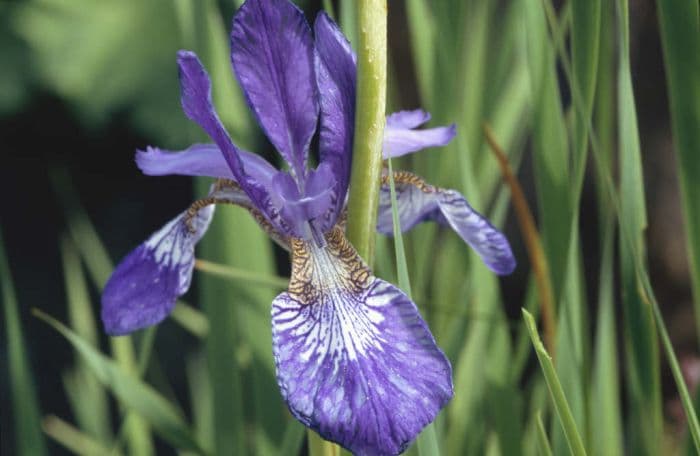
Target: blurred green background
[{"x": 596, "y": 103}]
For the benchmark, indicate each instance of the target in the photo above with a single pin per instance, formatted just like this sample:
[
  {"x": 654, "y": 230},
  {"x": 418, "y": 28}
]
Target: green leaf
[
  {"x": 252, "y": 278},
  {"x": 86, "y": 394},
  {"x": 74, "y": 439},
  {"x": 132, "y": 392},
  {"x": 421, "y": 25},
  {"x": 542, "y": 441},
  {"x": 643, "y": 370},
  {"x": 25, "y": 407},
  {"x": 686, "y": 401},
  {"x": 550, "y": 143},
  {"x": 605, "y": 405},
  {"x": 99, "y": 267},
  {"x": 427, "y": 441},
  {"x": 680, "y": 36},
  {"x": 561, "y": 405}
]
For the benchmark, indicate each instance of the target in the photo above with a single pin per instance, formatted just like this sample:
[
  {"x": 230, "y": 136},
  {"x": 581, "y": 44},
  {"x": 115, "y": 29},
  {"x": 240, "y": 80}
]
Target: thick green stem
[
  {"x": 369, "y": 125},
  {"x": 367, "y": 153}
]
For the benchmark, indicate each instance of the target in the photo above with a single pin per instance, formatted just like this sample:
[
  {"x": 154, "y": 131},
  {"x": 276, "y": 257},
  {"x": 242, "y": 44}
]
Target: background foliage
[{"x": 597, "y": 107}]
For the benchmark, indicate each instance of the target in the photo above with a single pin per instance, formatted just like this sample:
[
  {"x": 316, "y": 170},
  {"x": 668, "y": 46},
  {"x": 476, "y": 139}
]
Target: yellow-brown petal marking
[{"x": 318, "y": 270}]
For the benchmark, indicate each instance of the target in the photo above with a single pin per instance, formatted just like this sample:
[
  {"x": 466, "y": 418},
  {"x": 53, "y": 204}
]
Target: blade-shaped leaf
[
  {"x": 25, "y": 406},
  {"x": 556, "y": 392},
  {"x": 680, "y": 37},
  {"x": 132, "y": 392}
]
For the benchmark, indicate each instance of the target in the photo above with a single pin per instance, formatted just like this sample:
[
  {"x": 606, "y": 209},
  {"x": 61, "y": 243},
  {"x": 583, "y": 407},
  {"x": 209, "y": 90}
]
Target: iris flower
[{"x": 354, "y": 359}]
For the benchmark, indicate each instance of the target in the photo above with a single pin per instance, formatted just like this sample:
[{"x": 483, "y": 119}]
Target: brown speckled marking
[
  {"x": 408, "y": 178},
  {"x": 223, "y": 184},
  {"x": 309, "y": 279}
]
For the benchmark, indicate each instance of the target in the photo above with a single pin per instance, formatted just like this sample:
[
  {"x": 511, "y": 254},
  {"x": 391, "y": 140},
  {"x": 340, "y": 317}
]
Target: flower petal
[
  {"x": 355, "y": 361},
  {"x": 335, "y": 76},
  {"x": 196, "y": 102},
  {"x": 200, "y": 160},
  {"x": 300, "y": 209},
  {"x": 418, "y": 201},
  {"x": 400, "y": 138},
  {"x": 143, "y": 288},
  {"x": 272, "y": 55},
  {"x": 407, "y": 119}
]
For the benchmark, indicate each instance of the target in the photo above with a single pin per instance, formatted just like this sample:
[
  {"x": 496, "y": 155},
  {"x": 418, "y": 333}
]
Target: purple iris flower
[{"x": 355, "y": 361}]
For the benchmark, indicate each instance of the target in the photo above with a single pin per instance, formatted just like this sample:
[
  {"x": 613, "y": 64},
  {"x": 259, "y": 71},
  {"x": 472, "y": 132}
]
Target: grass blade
[
  {"x": 25, "y": 406},
  {"x": 542, "y": 441},
  {"x": 686, "y": 400},
  {"x": 550, "y": 143},
  {"x": 605, "y": 402},
  {"x": 99, "y": 266},
  {"x": 253, "y": 278},
  {"x": 427, "y": 442},
  {"x": 680, "y": 36},
  {"x": 573, "y": 437},
  {"x": 643, "y": 371},
  {"x": 191, "y": 319},
  {"x": 72, "y": 438},
  {"x": 87, "y": 396},
  {"x": 132, "y": 392}
]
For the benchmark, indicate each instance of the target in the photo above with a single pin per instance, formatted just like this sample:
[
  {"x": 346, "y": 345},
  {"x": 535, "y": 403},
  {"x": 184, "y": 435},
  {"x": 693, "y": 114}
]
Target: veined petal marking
[
  {"x": 144, "y": 286},
  {"x": 355, "y": 361},
  {"x": 418, "y": 201}
]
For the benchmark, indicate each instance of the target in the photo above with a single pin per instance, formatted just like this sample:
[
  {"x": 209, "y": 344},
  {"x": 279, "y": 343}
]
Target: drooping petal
[
  {"x": 335, "y": 76},
  {"x": 143, "y": 288},
  {"x": 400, "y": 138},
  {"x": 197, "y": 104},
  {"x": 355, "y": 361},
  {"x": 272, "y": 56},
  {"x": 200, "y": 160},
  {"x": 418, "y": 201}
]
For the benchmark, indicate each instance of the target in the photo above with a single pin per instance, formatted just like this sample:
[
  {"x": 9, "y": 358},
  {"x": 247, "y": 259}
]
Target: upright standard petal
[
  {"x": 355, "y": 361},
  {"x": 143, "y": 288},
  {"x": 335, "y": 76},
  {"x": 200, "y": 160},
  {"x": 272, "y": 56},
  {"x": 197, "y": 104},
  {"x": 400, "y": 138},
  {"x": 418, "y": 201}
]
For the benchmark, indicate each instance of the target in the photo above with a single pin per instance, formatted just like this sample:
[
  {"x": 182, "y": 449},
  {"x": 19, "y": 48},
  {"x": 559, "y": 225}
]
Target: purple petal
[
  {"x": 298, "y": 210},
  {"x": 407, "y": 119},
  {"x": 355, "y": 360},
  {"x": 196, "y": 102},
  {"x": 272, "y": 55},
  {"x": 143, "y": 288},
  {"x": 400, "y": 138},
  {"x": 200, "y": 160},
  {"x": 335, "y": 76},
  {"x": 418, "y": 201}
]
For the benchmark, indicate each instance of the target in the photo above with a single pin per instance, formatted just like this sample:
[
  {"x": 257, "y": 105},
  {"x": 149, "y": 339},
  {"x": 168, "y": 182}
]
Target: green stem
[
  {"x": 367, "y": 153},
  {"x": 369, "y": 125}
]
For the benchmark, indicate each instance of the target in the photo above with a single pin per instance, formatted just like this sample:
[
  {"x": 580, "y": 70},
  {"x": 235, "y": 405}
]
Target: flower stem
[
  {"x": 369, "y": 125},
  {"x": 367, "y": 153}
]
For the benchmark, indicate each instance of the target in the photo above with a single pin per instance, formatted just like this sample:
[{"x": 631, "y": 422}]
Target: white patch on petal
[
  {"x": 354, "y": 359},
  {"x": 173, "y": 245}
]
